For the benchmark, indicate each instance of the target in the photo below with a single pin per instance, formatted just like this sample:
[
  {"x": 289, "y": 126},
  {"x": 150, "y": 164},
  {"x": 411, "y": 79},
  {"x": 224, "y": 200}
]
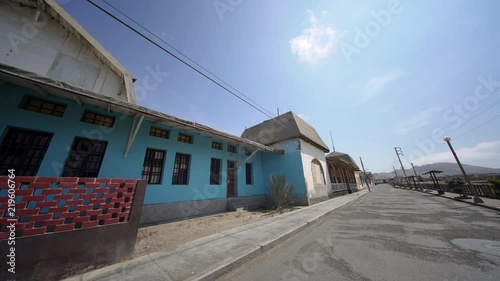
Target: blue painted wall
[
  {"x": 117, "y": 166},
  {"x": 289, "y": 164}
]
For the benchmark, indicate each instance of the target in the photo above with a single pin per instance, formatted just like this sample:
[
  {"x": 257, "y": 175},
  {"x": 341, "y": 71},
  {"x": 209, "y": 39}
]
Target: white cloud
[
  {"x": 418, "y": 120},
  {"x": 483, "y": 154},
  {"x": 316, "y": 42},
  {"x": 377, "y": 85}
]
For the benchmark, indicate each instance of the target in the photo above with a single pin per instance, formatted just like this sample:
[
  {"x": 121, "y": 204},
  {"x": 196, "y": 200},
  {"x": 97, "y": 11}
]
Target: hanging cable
[{"x": 226, "y": 88}]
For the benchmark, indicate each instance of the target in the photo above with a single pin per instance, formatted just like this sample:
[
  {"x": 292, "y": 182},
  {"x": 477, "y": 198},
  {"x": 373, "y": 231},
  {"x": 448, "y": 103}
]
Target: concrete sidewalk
[
  {"x": 489, "y": 203},
  {"x": 214, "y": 255}
]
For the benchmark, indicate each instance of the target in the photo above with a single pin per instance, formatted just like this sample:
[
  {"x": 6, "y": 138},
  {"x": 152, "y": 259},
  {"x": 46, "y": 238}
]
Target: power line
[
  {"x": 475, "y": 116},
  {"x": 184, "y": 55},
  {"x": 226, "y": 88},
  {"x": 478, "y": 127},
  {"x": 173, "y": 55},
  {"x": 491, "y": 93}
]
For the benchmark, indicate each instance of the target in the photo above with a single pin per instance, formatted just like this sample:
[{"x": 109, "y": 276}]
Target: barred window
[
  {"x": 85, "y": 158},
  {"x": 152, "y": 170},
  {"x": 23, "y": 150},
  {"x": 248, "y": 152},
  {"x": 216, "y": 145},
  {"x": 157, "y": 132},
  {"x": 249, "y": 173},
  {"x": 181, "y": 169},
  {"x": 184, "y": 138},
  {"x": 44, "y": 107},
  {"x": 98, "y": 119},
  {"x": 231, "y": 148},
  {"x": 215, "y": 171}
]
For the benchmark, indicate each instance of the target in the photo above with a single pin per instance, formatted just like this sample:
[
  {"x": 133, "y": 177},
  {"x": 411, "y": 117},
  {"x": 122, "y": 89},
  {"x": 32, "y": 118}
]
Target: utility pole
[
  {"x": 400, "y": 152},
  {"x": 364, "y": 172},
  {"x": 395, "y": 174},
  {"x": 416, "y": 176},
  {"x": 476, "y": 198}
]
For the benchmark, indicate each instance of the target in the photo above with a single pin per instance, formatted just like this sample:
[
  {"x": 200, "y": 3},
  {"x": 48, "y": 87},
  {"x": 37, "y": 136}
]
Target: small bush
[
  {"x": 281, "y": 191},
  {"x": 495, "y": 184},
  {"x": 457, "y": 186},
  {"x": 458, "y": 190}
]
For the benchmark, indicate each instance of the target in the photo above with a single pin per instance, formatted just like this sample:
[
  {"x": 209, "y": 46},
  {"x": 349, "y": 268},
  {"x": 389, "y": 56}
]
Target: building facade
[
  {"x": 343, "y": 169},
  {"x": 69, "y": 110},
  {"x": 307, "y": 171}
]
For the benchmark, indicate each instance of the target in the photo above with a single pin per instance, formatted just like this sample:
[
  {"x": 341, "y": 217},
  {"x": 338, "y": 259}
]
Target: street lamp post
[{"x": 474, "y": 193}]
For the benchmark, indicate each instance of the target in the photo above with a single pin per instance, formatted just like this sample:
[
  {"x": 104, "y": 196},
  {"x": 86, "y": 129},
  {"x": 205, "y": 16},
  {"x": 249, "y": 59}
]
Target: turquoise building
[{"x": 68, "y": 110}]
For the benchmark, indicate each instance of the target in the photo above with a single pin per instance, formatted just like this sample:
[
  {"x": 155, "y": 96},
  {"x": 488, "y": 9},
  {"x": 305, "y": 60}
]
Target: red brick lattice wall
[{"x": 50, "y": 204}]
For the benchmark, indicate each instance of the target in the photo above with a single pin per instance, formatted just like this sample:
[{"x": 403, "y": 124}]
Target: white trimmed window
[{"x": 317, "y": 171}]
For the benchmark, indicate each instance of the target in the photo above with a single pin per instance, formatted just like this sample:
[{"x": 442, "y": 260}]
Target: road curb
[
  {"x": 232, "y": 264},
  {"x": 467, "y": 202},
  {"x": 470, "y": 203},
  {"x": 221, "y": 267}
]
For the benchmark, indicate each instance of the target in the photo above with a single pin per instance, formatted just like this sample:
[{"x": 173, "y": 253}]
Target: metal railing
[
  {"x": 339, "y": 186},
  {"x": 483, "y": 190}
]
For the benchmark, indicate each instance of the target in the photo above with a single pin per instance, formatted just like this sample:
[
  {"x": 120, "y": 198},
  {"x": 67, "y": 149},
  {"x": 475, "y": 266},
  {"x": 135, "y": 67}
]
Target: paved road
[{"x": 389, "y": 234}]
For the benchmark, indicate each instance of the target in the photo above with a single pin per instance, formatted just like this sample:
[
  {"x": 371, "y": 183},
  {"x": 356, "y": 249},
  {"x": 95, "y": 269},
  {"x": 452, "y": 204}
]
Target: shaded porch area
[{"x": 342, "y": 168}]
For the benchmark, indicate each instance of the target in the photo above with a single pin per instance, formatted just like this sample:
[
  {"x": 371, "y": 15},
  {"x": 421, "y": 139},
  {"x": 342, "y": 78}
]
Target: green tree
[
  {"x": 281, "y": 191},
  {"x": 495, "y": 184}
]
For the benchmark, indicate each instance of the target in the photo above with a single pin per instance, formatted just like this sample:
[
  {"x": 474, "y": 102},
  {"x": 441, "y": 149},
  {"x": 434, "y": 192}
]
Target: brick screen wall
[{"x": 51, "y": 204}]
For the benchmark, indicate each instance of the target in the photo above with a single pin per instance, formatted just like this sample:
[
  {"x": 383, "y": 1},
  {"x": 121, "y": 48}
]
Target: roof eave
[{"x": 137, "y": 109}]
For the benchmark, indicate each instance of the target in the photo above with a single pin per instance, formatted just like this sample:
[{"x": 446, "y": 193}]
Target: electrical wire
[
  {"x": 226, "y": 88},
  {"x": 491, "y": 93},
  {"x": 475, "y": 116},
  {"x": 184, "y": 55},
  {"x": 478, "y": 127}
]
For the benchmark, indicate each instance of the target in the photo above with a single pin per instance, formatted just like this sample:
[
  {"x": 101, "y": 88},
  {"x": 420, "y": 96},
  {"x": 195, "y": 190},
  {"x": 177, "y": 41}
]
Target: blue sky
[{"x": 378, "y": 74}]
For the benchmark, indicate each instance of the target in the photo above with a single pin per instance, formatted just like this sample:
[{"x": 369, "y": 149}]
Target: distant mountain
[{"x": 448, "y": 169}]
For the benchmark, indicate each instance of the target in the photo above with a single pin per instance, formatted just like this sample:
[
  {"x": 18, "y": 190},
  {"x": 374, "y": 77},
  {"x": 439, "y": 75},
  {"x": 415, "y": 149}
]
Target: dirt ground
[{"x": 167, "y": 236}]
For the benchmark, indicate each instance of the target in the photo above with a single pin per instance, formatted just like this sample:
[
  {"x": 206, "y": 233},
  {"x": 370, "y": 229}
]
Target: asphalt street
[{"x": 388, "y": 234}]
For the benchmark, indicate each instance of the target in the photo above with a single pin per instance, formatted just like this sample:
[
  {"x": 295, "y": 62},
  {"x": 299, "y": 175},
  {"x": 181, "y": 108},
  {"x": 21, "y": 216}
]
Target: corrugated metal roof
[
  {"x": 284, "y": 127},
  {"x": 342, "y": 157}
]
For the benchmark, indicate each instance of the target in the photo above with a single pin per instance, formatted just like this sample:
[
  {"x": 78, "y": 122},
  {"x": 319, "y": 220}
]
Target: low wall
[
  {"x": 337, "y": 193},
  {"x": 483, "y": 190},
  {"x": 251, "y": 202},
  {"x": 66, "y": 226},
  {"x": 316, "y": 200},
  {"x": 300, "y": 200},
  {"x": 156, "y": 213}
]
